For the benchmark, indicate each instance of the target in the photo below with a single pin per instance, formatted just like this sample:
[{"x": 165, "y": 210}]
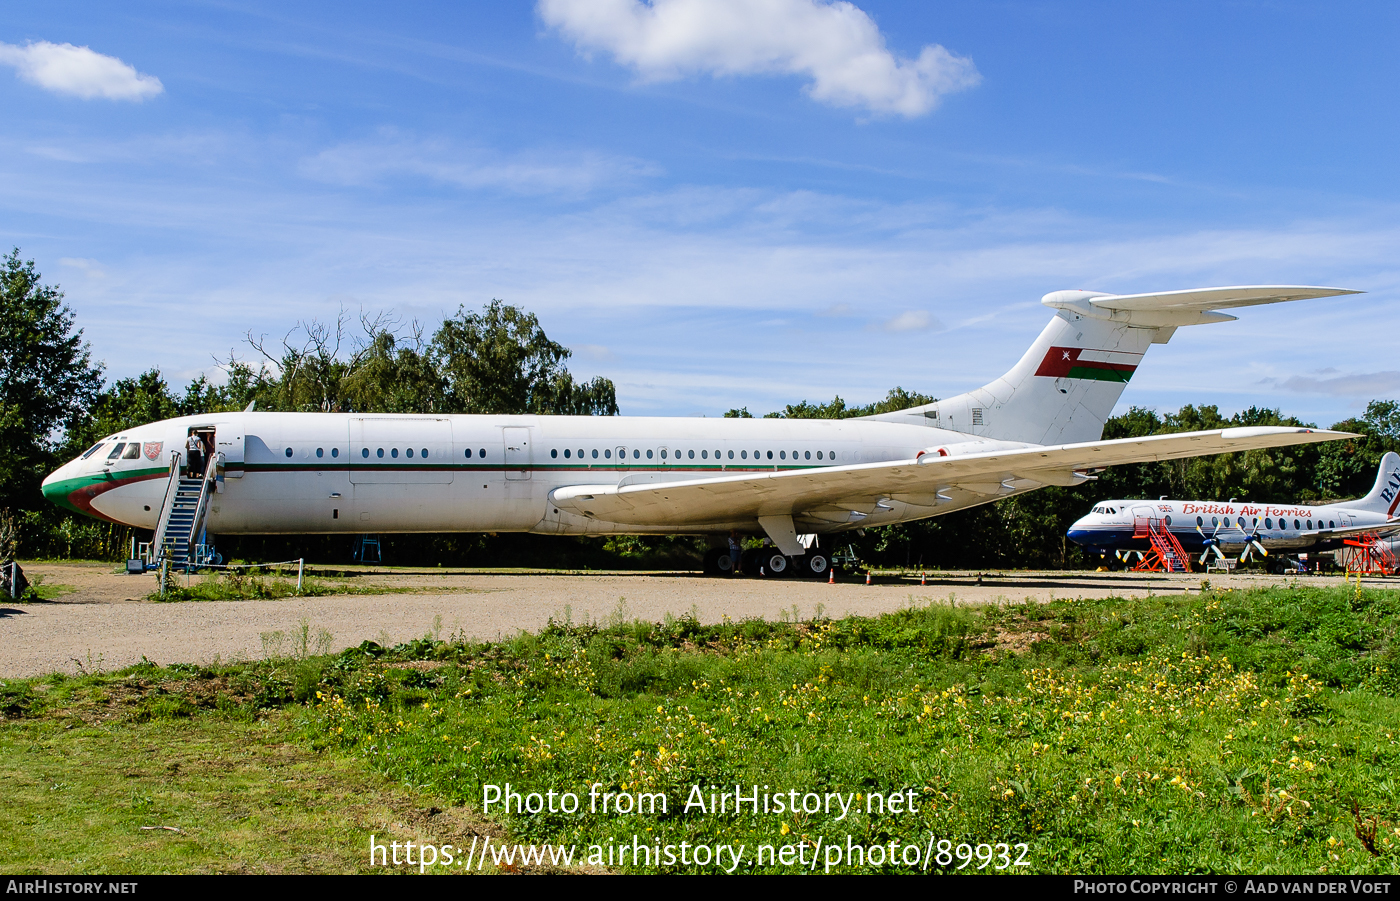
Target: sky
[{"x": 719, "y": 203}]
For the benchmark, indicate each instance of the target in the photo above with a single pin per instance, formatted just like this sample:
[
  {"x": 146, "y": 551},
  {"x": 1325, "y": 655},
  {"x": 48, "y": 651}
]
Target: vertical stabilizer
[
  {"x": 1062, "y": 391},
  {"x": 1385, "y": 494},
  {"x": 1065, "y": 387}
]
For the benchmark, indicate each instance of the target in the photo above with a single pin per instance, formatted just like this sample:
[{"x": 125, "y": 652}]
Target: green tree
[
  {"x": 495, "y": 361},
  {"x": 1347, "y": 469},
  {"x": 501, "y": 361},
  {"x": 47, "y": 379},
  {"x": 897, "y": 399},
  {"x": 137, "y": 401}
]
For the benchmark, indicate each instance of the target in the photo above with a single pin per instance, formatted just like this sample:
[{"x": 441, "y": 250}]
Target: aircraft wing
[
  {"x": 860, "y": 486},
  {"x": 1353, "y": 531}
]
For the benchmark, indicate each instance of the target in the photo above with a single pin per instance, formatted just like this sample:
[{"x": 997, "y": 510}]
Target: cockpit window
[
  {"x": 133, "y": 450},
  {"x": 116, "y": 452},
  {"x": 92, "y": 450}
]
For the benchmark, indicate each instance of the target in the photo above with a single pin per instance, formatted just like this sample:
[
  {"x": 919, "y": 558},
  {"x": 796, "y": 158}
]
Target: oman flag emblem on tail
[{"x": 1085, "y": 363}]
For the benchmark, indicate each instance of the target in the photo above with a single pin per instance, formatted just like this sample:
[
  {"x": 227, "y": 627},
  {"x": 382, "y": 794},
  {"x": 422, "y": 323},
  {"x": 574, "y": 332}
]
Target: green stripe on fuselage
[{"x": 60, "y": 493}]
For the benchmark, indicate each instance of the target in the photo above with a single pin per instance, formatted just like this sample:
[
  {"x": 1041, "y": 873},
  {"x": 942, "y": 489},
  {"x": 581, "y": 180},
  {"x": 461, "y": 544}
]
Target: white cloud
[
  {"x": 593, "y": 351},
  {"x": 392, "y": 154},
  {"x": 79, "y": 71},
  {"x": 911, "y": 321},
  {"x": 90, "y": 268},
  {"x": 836, "y": 45},
  {"x": 1364, "y": 384}
]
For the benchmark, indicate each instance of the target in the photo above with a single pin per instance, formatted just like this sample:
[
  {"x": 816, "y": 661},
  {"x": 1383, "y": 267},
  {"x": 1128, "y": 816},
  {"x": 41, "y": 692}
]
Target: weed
[{"x": 1221, "y": 732}]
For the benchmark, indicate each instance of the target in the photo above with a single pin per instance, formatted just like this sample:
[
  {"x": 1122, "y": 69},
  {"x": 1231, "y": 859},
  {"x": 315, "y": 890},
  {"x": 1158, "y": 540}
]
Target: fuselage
[
  {"x": 1121, "y": 524},
  {"x": 300, "y": 473},
  {"x": 284, "y": 473}
]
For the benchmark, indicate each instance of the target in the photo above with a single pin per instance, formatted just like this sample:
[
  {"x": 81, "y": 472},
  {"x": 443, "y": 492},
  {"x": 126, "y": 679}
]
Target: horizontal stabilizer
[{"x": 1189, "y": 307}]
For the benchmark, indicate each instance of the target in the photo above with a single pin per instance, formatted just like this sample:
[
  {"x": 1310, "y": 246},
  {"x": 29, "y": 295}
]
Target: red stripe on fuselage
[{"x": 83, "y": 497}]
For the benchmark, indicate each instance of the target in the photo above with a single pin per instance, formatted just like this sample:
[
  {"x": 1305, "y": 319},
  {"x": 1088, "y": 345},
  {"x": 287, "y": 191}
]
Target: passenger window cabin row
[
  {"x": 1299, "y": 525},
  {"x": 680, "y": 455},
  {"x": 568, "y": 454}
]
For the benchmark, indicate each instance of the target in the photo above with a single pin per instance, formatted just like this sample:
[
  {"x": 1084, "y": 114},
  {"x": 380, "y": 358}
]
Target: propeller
[
  {"x": 1211, "y": 544},
  {"x": 1252, "y": 543}
]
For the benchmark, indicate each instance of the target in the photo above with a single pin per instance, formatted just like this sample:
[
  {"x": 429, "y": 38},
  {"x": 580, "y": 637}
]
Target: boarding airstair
[
  {"x": 1167, "y": 554},
  {"x": 1368, "y": 553},
  {"x": 179, "y": 534}
]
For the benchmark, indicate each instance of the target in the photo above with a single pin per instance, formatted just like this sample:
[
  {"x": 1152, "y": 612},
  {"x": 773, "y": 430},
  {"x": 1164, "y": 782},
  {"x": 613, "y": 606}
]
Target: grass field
[
  {"x": 1242, "y": 732},
  {"x": 240, "y": 586}
]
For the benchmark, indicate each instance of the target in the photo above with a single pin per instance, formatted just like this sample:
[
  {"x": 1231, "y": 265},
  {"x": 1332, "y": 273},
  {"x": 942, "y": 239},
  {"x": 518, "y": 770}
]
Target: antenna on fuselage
[{"x": 251, "y": 404}]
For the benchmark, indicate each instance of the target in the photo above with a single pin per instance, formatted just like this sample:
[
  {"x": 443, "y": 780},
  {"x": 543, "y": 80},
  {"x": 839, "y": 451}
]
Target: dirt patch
[
  {"x": 1016, "y": 641},
  {"x": 421, "y": 666},
  {"x": 92, "y": 583},
  {"x": 101, "y": 625}
]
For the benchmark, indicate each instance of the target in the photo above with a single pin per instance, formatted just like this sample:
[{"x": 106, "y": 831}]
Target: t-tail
[
  {"x": 1385, "y": 494},
  {"x": 1065, "y": 387}
]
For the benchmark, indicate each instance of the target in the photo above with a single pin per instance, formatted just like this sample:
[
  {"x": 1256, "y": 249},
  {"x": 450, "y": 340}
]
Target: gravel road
[{"x": 104, "y": 623}]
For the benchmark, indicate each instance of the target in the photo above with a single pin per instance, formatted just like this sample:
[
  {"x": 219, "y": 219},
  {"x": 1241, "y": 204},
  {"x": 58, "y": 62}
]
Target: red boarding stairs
[
  {"x": 1370, "y": 555},
  {"x": 1167, "y": 554}
]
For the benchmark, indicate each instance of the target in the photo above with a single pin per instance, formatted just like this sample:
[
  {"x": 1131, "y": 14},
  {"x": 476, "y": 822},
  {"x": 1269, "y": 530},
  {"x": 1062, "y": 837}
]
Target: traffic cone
[
  {"x": 831, "y": 576},
  {"x": 867, "y": 577},
  {"x": 923, "y": 578}
]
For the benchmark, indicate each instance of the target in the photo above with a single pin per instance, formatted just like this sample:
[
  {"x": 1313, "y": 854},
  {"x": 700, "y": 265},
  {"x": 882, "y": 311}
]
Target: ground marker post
[{"x": 301, "y": 562}]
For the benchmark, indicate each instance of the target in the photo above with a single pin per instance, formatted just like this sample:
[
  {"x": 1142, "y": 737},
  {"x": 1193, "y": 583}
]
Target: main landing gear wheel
[
  {"x": 710, "y": 562},
  {"x": 774, "y": 563},
  {"x": 813, "y": 566}
]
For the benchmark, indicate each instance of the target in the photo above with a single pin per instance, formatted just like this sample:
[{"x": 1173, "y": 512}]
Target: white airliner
[
  {"x": 789, "y": 479},
  {"x": 1230, "y": 527}
]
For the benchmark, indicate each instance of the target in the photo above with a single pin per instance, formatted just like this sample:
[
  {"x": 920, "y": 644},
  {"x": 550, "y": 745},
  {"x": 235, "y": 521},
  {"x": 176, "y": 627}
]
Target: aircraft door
[
  {"x": 1142, "y": 517},
  {"x": 519, "y": 452}
]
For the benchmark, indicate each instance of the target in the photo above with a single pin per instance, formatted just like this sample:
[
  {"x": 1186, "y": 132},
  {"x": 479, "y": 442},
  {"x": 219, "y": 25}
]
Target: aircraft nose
[
  {"x": 1079, "y": 535},
  {"x": 54, "y": 488}
]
